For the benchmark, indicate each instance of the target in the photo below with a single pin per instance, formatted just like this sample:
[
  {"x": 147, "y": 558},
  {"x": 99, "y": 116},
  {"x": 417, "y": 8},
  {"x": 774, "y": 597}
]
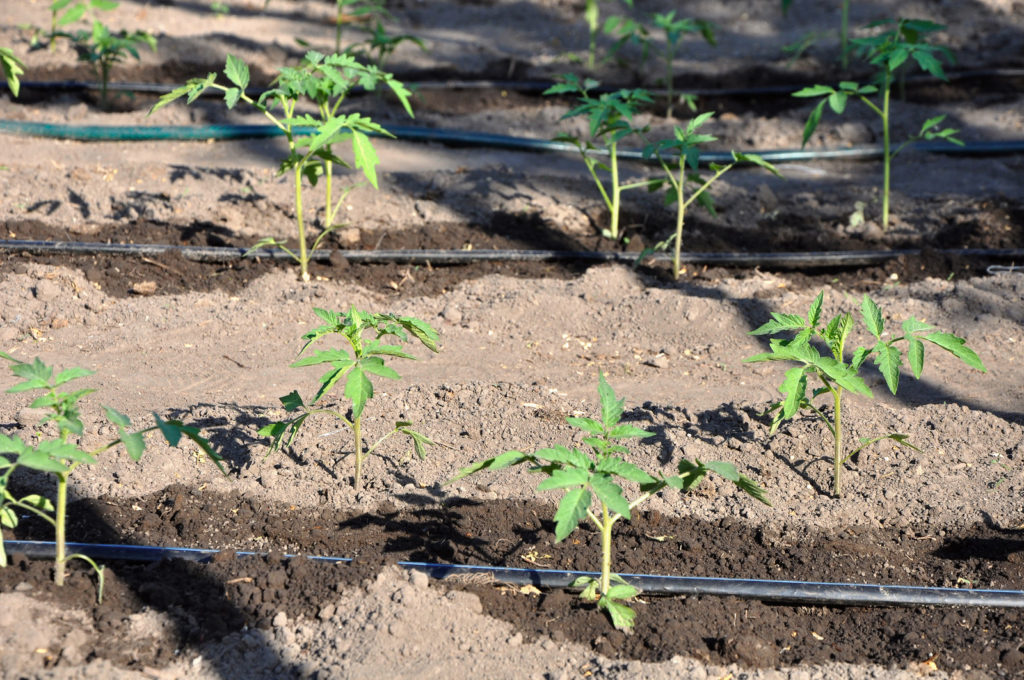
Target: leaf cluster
[
  {"x": 365, "y": 335},
  {"x": 12, "y": 68},
  {"x": 833, "y": 369},
  {"x": 609, "y": 115}
]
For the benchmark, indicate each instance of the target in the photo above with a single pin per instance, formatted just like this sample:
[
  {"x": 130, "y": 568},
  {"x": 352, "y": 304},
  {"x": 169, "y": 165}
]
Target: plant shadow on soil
[{"x": 208, "y": 601}]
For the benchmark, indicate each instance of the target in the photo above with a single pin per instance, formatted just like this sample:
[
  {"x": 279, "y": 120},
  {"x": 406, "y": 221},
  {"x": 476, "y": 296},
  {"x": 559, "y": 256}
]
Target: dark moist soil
[
  {"x": 977, "y": 224},
  {"x": 208, "y": 601}
]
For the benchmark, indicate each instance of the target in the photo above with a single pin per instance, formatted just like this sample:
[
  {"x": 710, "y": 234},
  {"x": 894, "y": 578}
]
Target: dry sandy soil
[{"x": 521, "y": 347}]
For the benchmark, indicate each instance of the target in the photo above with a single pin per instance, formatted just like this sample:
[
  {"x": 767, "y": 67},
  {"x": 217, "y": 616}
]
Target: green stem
[
  {"x": 613, "y": 228},
  {"x": 358, "y": 435},
  {"x": 303, "y": 256},
  {"x": 669, "y": 56},
  {"x": 887, "y": 159},
  {"x": 680, "y": 219},
  {"x": 60, "y": 518},
  {"x": 838, "y": 439},
  {"x": 606, "y": 550}
]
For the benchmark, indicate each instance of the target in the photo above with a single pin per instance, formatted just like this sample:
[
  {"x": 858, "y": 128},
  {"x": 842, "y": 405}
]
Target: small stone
[
  {"x": 143, "y": 288},
  {"x": 452, "y": 314},
  {"x": 280, "y": 620},
  {"x": 349, "y": 237},
  {"x": 30, "y": 417},
  {"x": 46, "y": 290},
  {"x": 419, "y": 579}
]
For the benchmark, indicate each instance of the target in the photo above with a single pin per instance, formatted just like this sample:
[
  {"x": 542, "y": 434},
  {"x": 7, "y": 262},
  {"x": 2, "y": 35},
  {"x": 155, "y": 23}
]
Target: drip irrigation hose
[
  {"x": 410, "y": 133},
  {"x": 850, "y": 258},
  {"x": 796, "y": 592},
  {"x": 530, "y": 86}
]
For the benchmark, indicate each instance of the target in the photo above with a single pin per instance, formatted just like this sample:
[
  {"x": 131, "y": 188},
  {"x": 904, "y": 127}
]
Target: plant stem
[
  {"x": 303, "y": 257},
  {"x": 838, "y": 439},
  {"x": 60, "y": 517},
  {"x": 680, "y": 219},
  {"x": 887, "y": 160},
  {"x": 357, "y": 481},
  {"x": 613, "y": 228},
  {"x": 606, "y": 549},
  {"x": 669, "y": 57}
]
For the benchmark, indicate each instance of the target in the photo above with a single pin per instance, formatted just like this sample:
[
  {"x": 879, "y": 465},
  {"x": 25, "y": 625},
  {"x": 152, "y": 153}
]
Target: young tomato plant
[
  {"x": 311, "y": 137},
  {"x": 13, "y": 68},
  {"x": 103, "y": 49},
  {"x": 66, "y": 12},
  {"x": 675, "y": 30},
  {"x": 679, "y": 157},
  {"x": 363, "y": 359},
  {"x": 888, "y": 52},
  {"x": 592, "y": 15},
  {"x": 611, "y": 120},
  {"x": 591, "y": 491},
  {"x": 61, "y": 456},
  {"x": 837, "y": 374}
]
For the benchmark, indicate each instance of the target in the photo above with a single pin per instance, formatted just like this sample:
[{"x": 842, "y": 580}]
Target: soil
[{"x": 521, "y": 346}]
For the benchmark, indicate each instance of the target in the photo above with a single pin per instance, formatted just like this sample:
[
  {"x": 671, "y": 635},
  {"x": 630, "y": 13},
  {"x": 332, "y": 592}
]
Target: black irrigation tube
[
  {"x": 529, "y": 86},
  {"x": 851, "y": 258},
  {"x": 795, "y": 592},
  {"x": 464, "y": 138}
]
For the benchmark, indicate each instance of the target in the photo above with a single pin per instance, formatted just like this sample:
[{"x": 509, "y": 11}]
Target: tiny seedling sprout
[
  {"x": 839, "y": 374},
  {"x": 592, "y": 492}
]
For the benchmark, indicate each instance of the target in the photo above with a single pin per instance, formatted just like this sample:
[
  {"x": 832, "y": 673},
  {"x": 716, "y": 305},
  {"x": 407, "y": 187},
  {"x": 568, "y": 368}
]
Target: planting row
[{"x": 591, "y": 482}]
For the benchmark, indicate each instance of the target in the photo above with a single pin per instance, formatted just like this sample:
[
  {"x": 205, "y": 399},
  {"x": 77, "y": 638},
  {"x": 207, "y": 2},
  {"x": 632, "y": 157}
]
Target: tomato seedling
[
  {"x": 591, "y": 491},
  {"x": 679, "y": 157},
  {"x": 102, "y": 49},
  {"x": 837, "y": 375},
  {"x": 363, "y": 359},
  {"x": 326, "y": 80},
  {"x": 611, "y": 120},
  {"x": 61, "y": 456},
  {"x": 888, "y": 52}
]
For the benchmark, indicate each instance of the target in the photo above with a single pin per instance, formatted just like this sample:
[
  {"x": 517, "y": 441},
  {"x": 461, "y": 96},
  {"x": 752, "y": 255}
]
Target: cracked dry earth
[{"x": 521, "y": 347}]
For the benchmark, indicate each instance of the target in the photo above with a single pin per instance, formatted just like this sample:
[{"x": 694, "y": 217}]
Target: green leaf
[
  {"x": 48, "y": 458},
  {"x": 8, "y": 518},
  {"x": 794, "y": 387},
  {"x": 375, "y": 365},
  {"x": 617, "y": 466},
  {"x": 562, "y": 478},
  {"x": 872, "y": 316},
  {"x": 586, "y": 424},
  {"x": 71, "y": 374},
  {"x": 958, "y": 347},
  {"x": 611, "y": 407},
  {"x": 814, "y": 312},
  {"x": 889, "y": 360},
  {"x": 359, "y": 389},
  {"x": 566, "y": 456},
  {"x": 625, "y": 430},
  {"x": 814, "y": 91},
  {"x": 571, "y": 510},
  {"x": 507, "y": 459},
  {"x": 915, "y": 355},
  {"x": 237, "y": 72},
  {"x": 780, "y": 322},
  {"x": 292, "y": 401},
  {"x": 610, "y": 493},
  {"x": 622, "y": 616},
  {"x": 133, "y": 442},
  {"x": 365, "y": 156}
]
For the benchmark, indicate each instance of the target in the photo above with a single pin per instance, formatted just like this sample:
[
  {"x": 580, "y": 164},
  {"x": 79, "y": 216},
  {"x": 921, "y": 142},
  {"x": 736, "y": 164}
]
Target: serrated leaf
[
  {"x": 237, "y": 72},
  {"x": 622, "y": 616},
  {"x": 359, "y": 389},
  {"x": 571, "y": 510},
  {"x": 624, "y": 469},
  {"x": 889, "y": 359},
  {"x": 71, "y": 374},
  {"x": 814, "y": 312},
  {"x": 624, "y": 430},
  {"x": 610, "y": 493},
  {"x": 958, "y": 347},
  {"x": 117, "y": 418},
  {"x": 814, "y": 91},
  {"x": 376, "y": 366},
  {"x": 779, "y": 323},
  {"x": 133, "y": 442},
  {"x": 562, "y": 454},
  {"x": 872, "y": 316},
  {"x": 507, "y": 459},
  {"x": 794, "y": 389},
  {"x": 586, "y": 424},
  {"x": 365, "y": 156},
  {"x": 915, "y": 356},
  {"x": 292, "y": 401},
  {"x": 562, "y": 478},
  {"x": 611, "y": 407}
]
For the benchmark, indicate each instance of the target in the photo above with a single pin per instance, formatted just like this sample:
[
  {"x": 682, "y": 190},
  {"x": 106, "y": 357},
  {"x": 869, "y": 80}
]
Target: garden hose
[
  {"x": 118, "y": 133},
  {"x": 850, "y": 258},
  {"x": 795, "y": 592}
]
